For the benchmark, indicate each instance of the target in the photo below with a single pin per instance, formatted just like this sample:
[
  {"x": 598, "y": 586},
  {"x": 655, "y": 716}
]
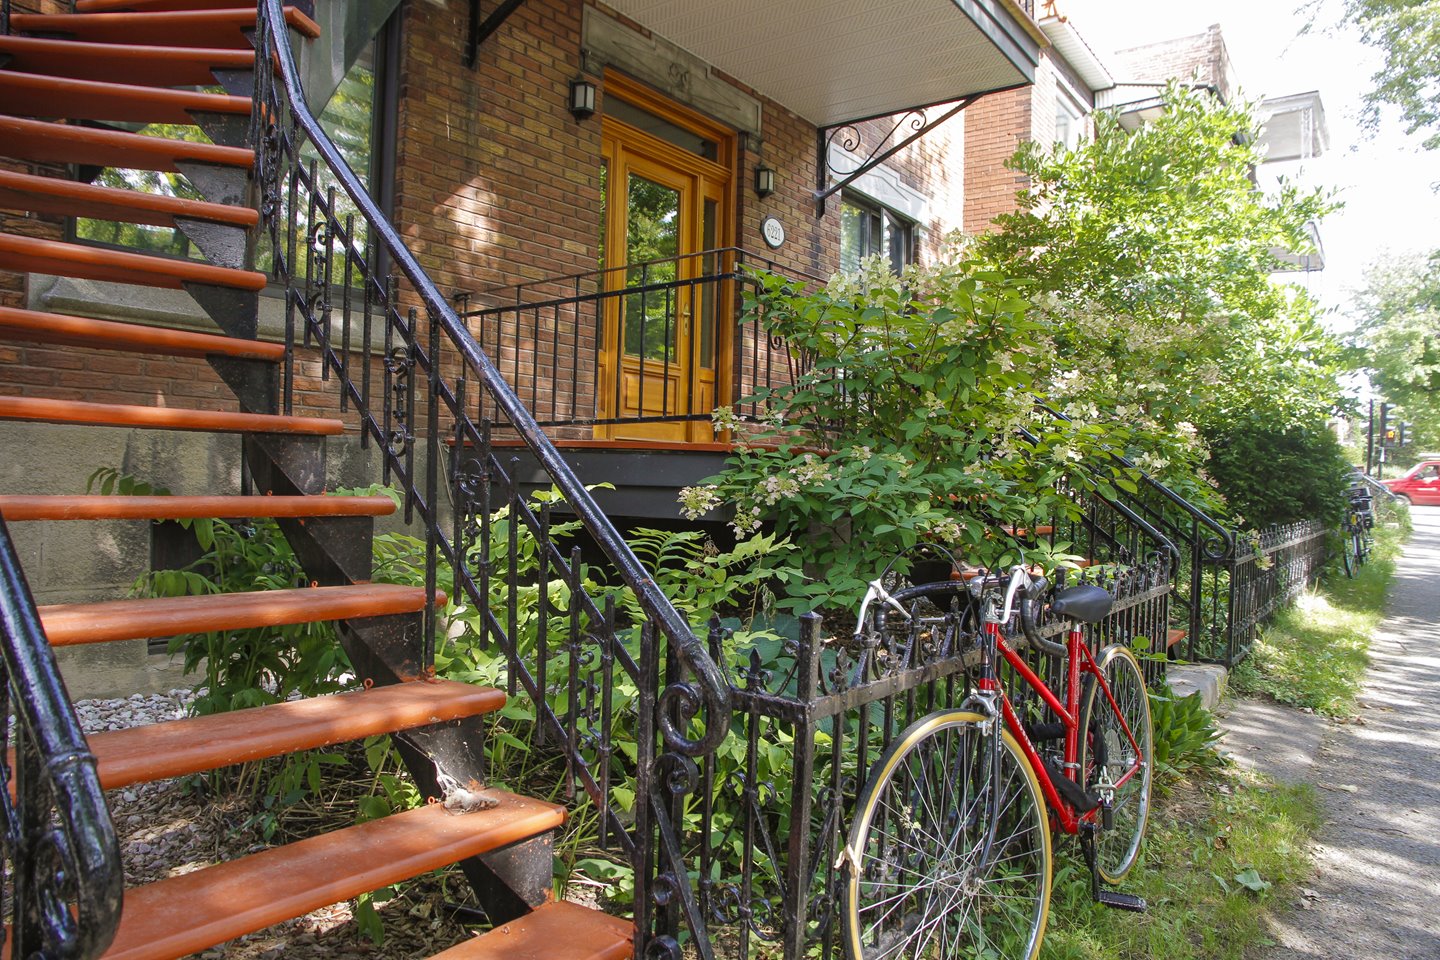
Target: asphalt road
[{"x": 1377, "y": 894}]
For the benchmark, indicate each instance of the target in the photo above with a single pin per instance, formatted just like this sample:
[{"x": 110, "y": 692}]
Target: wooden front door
[{"x": 667, "y": 202}]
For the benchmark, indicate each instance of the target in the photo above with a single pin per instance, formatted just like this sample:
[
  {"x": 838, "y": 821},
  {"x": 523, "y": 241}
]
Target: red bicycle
[{"x": 949, "y": 853}]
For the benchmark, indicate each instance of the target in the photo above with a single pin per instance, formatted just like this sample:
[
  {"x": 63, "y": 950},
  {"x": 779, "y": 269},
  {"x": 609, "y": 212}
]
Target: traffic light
[
  {"x": 1406, "y": 432},
  {"x": 1391, "y": 436}
]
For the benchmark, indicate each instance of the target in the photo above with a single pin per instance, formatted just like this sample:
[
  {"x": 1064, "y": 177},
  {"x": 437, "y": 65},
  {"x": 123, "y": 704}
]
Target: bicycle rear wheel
[
  {"x": 949, "y": 852},
  {"x": 1106, "y": 755}
]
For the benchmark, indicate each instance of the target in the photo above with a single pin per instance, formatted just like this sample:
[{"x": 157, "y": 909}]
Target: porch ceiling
[{"x": 837, "y": 60}]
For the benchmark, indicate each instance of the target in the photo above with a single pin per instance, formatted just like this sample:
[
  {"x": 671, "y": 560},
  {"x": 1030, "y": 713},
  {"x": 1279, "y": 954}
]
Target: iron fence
[
  {"x": 1280, "y": 563},
  {"x": 812, "y": 714}
]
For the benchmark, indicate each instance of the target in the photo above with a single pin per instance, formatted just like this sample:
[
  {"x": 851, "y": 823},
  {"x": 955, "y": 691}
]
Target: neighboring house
[
  {"x": 1293, "y": 128},
  {"x": 1294, "y": 132}
]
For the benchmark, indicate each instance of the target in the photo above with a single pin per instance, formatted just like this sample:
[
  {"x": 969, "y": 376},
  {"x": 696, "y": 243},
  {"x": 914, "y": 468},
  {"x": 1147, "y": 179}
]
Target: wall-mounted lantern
[
  {"x": 764, "y": 181},
  {"x": 582, "y": 98}
]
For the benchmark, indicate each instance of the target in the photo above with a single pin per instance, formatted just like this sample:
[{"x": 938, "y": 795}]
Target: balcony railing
[{"x": 623, "y": 350}]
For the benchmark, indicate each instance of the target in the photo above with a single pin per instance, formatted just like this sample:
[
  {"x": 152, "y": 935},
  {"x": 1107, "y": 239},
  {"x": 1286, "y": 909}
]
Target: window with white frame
[{"x": 1069, "y": 121}]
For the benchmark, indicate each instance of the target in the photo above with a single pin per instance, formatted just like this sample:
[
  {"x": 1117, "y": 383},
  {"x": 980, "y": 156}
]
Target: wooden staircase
[{"x": 62, "y": 78}]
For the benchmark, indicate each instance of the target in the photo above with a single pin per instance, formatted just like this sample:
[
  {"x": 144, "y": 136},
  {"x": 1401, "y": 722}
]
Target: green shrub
[{"x": 1278, "y": 475}]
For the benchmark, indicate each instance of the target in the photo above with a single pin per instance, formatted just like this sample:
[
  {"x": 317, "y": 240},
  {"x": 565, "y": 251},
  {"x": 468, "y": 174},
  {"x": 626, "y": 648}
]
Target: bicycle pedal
[{"x": 1121, "y": 901}]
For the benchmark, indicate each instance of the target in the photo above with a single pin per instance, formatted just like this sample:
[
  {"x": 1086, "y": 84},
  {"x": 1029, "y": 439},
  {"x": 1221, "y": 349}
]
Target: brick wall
[
  {"x": 994, "y": 127},
  {"x": 1200, "y": 57}
]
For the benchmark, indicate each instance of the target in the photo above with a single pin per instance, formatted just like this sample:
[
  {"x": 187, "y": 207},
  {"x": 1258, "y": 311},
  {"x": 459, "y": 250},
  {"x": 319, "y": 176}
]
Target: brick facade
[{"x": 497, "y": 184}]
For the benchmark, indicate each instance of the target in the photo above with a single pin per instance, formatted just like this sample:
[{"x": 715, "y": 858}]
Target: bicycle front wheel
[
  {"x": 949, "y": 852},
  {"x": 1347, "y": 559},
  {"x": 1107, "y": 755}
]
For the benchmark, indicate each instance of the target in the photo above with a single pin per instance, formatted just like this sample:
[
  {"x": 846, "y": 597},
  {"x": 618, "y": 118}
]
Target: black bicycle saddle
[{"x": 1084, "y": 602}]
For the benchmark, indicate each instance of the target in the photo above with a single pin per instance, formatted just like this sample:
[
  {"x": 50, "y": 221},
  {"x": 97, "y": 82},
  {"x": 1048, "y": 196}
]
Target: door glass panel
[
  {"x": 708, "y": 267},
  {"x": 652, "y": 233}
]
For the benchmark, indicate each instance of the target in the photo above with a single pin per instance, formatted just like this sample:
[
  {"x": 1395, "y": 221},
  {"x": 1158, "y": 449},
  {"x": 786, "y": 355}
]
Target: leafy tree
[
  {"x": 1397, "y": 341},
  {"x": 1407, "y": 32},
  {"x": 1152, "y": 253}
]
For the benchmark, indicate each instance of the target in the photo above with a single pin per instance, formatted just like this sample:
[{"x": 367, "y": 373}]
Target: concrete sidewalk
[{"x": 1377, "y": 892}]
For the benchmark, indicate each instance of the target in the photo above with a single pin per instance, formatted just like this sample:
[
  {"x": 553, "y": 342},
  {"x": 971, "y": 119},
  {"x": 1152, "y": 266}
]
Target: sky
[{"x": 1385, "y": 181}]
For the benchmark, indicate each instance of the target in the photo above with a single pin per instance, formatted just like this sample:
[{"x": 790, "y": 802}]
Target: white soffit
[
  {"x": 1075, "y": 51},
  {"x": 836, "y": 60}
]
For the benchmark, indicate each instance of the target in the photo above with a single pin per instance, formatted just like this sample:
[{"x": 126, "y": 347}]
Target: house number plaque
[{"x": 773, "y": 232}]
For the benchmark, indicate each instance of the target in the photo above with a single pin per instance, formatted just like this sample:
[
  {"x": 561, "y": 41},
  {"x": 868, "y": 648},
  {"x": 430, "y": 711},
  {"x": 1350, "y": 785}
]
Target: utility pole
[
  {"x": 1370, "y": 440},
  {"x": 1384, "y": 427}
]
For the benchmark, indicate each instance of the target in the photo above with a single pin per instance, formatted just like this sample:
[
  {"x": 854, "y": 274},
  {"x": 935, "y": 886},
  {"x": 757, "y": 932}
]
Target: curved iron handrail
[
  {"x": 710, "y": 693},
  {"x": 1226, "y": 536},
  {"x": 1162, "y": 541},
  {"x": 68, "y": 880}
]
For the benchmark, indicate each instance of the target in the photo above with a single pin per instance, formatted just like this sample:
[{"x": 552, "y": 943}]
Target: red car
[{"x": 1420, "y": 484}]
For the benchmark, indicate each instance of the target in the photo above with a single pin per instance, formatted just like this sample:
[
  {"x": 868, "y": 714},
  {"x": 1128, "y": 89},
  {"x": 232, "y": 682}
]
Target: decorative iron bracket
[
  {"x": 848, "y": 135},
  {"x": 482, "y": 30}
]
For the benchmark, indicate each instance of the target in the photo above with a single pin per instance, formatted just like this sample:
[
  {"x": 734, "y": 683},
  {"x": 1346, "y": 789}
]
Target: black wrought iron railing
[
  {"x": 660, "y": 341},
  {"x": 62, "y": 857},
  {"x": 1226, "y": 584},
  {"x": 420, "y": 403},
  {"x": 815, "y": 713},
  {"x": 1271, "y": 570}
]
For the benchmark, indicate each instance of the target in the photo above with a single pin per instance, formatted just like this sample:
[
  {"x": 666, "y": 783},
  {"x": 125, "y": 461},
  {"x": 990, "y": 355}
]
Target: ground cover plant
[{"x": 1224, "y": 850}]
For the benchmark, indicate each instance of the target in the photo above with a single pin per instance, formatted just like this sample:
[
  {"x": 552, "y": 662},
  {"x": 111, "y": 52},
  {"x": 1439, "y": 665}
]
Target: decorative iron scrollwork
[
  {"x": 399, "y": 362},
  {"x": 849, "y": 138}
]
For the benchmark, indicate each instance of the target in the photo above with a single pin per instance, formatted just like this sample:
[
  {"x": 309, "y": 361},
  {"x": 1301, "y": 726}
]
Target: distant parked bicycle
[
  {"x": 1359, "y": 522},
  {"x": 949, "y": 852}
]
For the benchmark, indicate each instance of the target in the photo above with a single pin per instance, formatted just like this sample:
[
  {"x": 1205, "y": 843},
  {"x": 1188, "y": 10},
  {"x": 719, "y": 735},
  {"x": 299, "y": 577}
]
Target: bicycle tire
[
  {"x": 932, "y": 873},
  {"x": 1359, "y": 543},
  {"x": 1347, "y": 560},
  {"x": 1105, "y": 751}
]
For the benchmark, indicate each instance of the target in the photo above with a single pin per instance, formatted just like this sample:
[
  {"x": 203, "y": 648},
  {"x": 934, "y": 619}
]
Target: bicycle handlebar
[{"x": 1030, "y": 589}]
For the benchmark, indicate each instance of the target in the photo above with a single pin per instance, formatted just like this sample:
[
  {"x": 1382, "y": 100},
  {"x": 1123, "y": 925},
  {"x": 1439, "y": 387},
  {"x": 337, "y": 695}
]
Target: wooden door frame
[{"x": 713, "y": 180}]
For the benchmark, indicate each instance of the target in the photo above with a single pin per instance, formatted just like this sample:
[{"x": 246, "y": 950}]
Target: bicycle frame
[{"x": 1078, "y": 659}]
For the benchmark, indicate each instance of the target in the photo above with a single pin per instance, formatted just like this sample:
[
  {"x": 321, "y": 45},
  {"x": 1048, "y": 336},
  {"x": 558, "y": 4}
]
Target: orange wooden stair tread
[
  {"x": 42, "y": 327},
  {"x": 17, "y": 508},
  {"x": 46, "y": 142},
  {"x": 108, "y": 6},
  {"x": 190, "y": 28},
  {"x": 41, "y": 410},
  {"x": 554, "y": 931},
  {"x": 36, "y": 95},
  {"x": 185, "y": 914},
  {"x": 74, "y": 623},
  {"x": 70, "y": 198},
  {"x": 33, "y": 255},
  {"x": 177, "y": 748},
  {"x": 126, "y": 63}
]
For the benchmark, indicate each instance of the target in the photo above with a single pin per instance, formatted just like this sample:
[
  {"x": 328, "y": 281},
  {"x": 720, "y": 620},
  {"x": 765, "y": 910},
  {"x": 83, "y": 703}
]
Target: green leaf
[{"x": 1249, "y": 878}]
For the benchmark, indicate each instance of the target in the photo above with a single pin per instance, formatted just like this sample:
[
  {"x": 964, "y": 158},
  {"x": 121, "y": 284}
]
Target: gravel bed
[{"x": 174, "y": 827}]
